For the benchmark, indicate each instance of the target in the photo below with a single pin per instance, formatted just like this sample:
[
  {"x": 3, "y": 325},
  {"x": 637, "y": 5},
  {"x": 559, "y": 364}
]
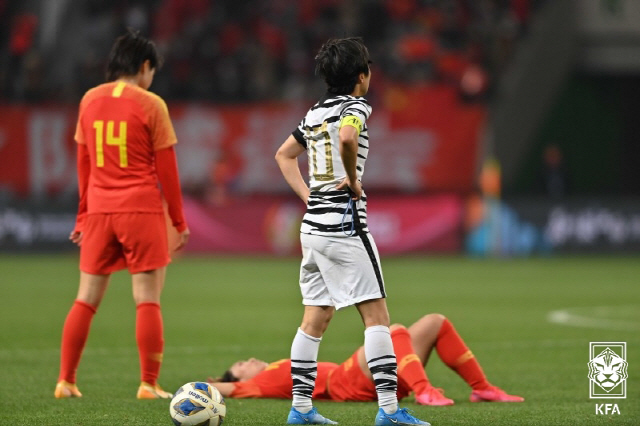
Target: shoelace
[{"x": 408, "y": 413}]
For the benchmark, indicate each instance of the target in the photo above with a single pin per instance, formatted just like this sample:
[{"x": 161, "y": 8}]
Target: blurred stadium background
[{"x": 501, "y": 127}]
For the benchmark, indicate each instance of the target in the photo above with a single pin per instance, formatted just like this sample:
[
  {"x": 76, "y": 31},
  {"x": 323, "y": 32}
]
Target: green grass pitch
[{"x": 217, "y": 310}]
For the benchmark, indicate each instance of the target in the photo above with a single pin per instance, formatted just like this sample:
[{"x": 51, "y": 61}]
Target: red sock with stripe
[
  {"x": 74, "y": 336},
  {"x": 149, "y": 336},
  {"x": 455, "y": 354},
  {"x": 410, "y": 368}
]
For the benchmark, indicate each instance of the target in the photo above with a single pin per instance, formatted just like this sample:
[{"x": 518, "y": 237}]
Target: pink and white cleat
[
  {"x": 434, "y": 397},
  {"x": 493, "y": 394}
]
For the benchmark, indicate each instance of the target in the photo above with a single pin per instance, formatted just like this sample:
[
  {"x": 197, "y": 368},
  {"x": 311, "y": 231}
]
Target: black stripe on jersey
[
  {"x": 323, "y": 210},
  {"x": 370, "y": 252},
  {"x": 340, "y": 197},
  {"x": 329, "y": 193},
  {"x": 362, "y": 156},
  {"x": 358, "y": 101},
  {"x": 325, "y": 98},
  {"x": 353, "y": 111},
  {"x": 327, "y": 104},
  {"x": 335, "y": 228},
  {"x": 362, "y": 146},
  {"x": 333, "y": 197},
  {"x": 359, "y": 108},
  {"x": 331, "y": 119},
  {"x": 299, "y": 137}
]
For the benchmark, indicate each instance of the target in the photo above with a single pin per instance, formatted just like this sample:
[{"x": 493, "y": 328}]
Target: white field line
[{"x": 598, "y": 317}]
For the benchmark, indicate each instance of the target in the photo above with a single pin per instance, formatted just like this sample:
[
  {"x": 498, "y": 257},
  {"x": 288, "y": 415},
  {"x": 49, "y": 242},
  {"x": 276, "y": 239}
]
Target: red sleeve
[
  {"x": 167, "y": 169},
  {"x": 79, "y": 135},
  {"x": 274, "y": 382},
  {"x": 248, "y": 389},
  {"x": 162, "y": 133},
  {"x": 84, "y": 169}
]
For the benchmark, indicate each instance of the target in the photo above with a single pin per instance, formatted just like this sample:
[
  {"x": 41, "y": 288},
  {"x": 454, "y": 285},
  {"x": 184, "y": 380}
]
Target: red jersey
[
  {"x": 344, "y": 382},
  {"x": 122, "y": 126},
  {"x": 275, "y": 382}
]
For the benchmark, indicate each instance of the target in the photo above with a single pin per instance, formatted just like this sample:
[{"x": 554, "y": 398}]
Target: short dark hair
[
  {"x": 227, "y": 377},
  {"x": 340, "y": 62},
  {"x": 128, "y": 53}
]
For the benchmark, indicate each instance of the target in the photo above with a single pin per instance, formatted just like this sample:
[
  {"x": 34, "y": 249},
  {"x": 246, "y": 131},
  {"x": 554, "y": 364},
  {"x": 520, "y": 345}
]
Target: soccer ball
[{"x": 197, "y": 404}]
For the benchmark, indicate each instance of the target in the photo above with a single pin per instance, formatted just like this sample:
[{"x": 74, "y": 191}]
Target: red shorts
[
  {"x": 114, "y": 241},
  {"x": 349, "y": 383}
]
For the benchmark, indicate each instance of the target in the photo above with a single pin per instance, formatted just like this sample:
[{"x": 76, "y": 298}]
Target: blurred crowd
[{"x": 226, "y": 51}]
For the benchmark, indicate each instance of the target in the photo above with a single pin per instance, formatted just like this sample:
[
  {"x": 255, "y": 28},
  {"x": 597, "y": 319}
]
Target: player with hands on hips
[{"x": 340, "y": 262}]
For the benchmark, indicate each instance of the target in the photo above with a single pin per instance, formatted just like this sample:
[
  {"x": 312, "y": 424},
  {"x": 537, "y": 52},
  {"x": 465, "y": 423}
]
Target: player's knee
[
  {"x": 314, "y": 329},
  {"x": 397, "y": 326},
  {"x": 435, "y": 319}
]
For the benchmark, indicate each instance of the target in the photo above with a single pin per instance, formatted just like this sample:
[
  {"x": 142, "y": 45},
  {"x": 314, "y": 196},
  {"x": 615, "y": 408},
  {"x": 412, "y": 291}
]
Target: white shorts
[{"x": 340, "y": 272}]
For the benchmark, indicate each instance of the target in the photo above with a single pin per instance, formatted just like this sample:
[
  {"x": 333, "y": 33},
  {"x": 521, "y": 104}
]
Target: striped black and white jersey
[{"x": 327, "y": 210}]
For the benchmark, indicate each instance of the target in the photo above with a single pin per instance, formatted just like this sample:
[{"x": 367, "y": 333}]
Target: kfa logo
[
  {"x": 607, "y": 409},
  {"x": 607, "y": 370}
]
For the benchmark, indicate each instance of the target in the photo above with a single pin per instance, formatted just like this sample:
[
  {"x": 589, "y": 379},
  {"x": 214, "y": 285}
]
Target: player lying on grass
[{"x": 352, "y": 381}]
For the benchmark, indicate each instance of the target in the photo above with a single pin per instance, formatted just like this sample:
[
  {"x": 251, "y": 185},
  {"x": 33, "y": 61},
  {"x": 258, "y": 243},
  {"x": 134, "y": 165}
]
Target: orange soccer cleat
[
  {"x": 66, "y": 390},
  {"x": 433, "y": 396},
  {"x": 493, "y": 394},
  {"x": 148, "y": 391}
]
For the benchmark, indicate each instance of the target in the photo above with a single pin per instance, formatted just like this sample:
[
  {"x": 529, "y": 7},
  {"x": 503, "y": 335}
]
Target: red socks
[
  {"x": 74, "y": 336},
  {"x": 149, "y": 335},
  {"x": 410, "y": 368},
  {"x": 458, "y": 357}
]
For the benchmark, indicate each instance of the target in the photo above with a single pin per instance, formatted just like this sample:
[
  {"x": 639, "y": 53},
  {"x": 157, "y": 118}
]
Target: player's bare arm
[
  {"x": 226, "y": 389},
  {"x": 349, "y": 155},
  {"x": 287, "y": 159}
]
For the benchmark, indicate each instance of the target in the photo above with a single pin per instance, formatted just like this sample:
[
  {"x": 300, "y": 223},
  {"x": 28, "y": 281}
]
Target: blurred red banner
[
  {"x": 271, "y": 225},
  {"x": 421, "y": 139}
]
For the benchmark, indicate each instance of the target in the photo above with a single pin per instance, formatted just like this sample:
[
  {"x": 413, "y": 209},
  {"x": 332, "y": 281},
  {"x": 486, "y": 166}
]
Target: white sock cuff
[
  {"x": 377, "y": 329},
  {"x": 307, "y": 336}
]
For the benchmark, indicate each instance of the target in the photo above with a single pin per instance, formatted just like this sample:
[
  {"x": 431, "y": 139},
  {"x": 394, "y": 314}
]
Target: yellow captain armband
[{"x": 353, "y": 121}]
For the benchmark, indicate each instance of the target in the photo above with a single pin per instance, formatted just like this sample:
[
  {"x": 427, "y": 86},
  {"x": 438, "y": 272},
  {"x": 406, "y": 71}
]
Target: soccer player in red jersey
[
  {"x": 126, "y": 164},
  {"x": 352, "y": 381}
]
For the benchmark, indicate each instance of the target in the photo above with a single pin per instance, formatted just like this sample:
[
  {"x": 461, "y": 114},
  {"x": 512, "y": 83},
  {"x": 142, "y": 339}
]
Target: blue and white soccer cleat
[
  {"x": 400, "y": 417},
  {"x": 310, "y": 418}
]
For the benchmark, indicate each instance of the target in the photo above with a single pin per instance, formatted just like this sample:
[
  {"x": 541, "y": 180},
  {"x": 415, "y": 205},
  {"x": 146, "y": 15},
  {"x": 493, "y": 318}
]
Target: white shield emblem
[{"x": 608, "y": 370}]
